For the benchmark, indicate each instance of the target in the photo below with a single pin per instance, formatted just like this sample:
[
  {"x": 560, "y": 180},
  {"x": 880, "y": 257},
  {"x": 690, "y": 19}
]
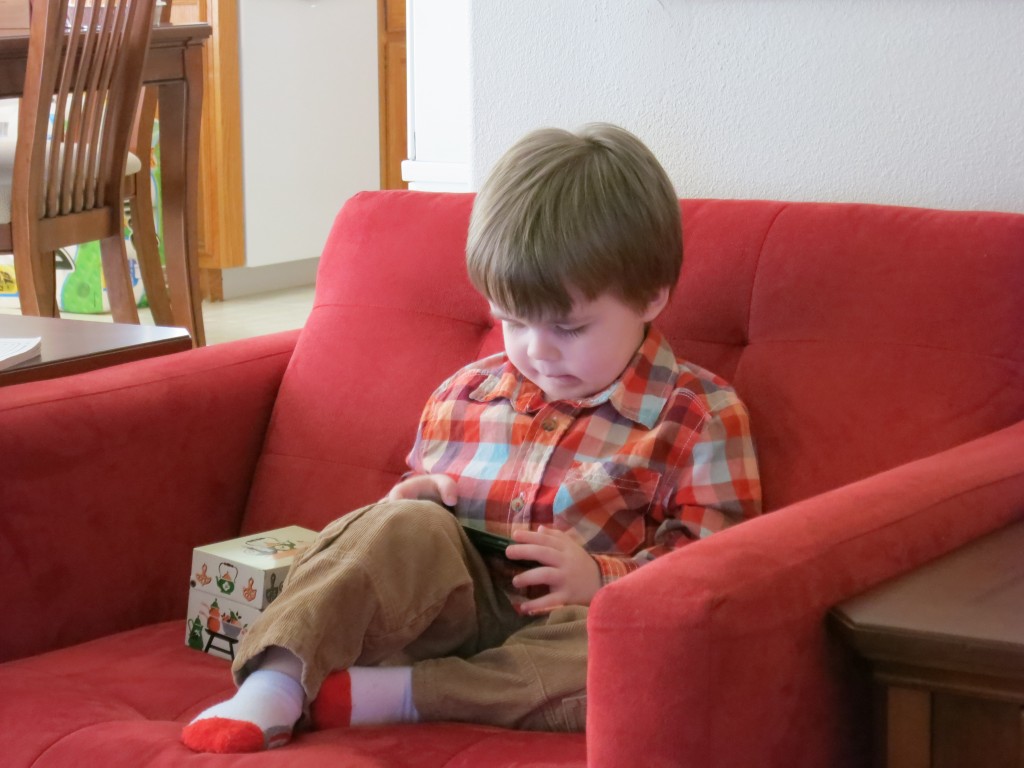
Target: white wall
[
  {"x": 310, "y": 136},
  {"x": 914, "y": 102}
]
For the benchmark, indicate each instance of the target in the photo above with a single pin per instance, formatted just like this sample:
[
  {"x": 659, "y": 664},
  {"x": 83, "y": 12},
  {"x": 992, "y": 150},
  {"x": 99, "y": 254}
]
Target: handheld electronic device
[{"x": 488, "y": 543}]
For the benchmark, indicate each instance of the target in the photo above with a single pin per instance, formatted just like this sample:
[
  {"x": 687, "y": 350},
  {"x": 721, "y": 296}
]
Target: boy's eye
[{"x": 574, "y": 330}]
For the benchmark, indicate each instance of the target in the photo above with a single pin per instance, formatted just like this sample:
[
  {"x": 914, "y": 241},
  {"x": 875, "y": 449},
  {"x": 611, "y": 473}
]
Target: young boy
[{"x": 587, "y": 441}]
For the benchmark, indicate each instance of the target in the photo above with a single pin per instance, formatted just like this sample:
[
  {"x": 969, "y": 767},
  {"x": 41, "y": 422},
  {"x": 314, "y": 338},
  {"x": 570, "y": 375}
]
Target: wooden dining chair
[
  {"x": 138, "y": 194},
  {"x": 85, "y": 65}
]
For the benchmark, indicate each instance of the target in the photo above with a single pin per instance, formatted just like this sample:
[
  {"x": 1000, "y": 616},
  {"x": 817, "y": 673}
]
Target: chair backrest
[
  {"x": 861, "y": 337},
  {"x": 142, "y": 134},
  {"x": 85, "y": 67},
  {"x": 141, "y": 202}
]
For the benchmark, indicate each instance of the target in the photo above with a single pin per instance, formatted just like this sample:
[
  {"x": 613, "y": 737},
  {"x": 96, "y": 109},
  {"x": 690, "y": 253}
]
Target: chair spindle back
[{"x": 92, "y": 91}]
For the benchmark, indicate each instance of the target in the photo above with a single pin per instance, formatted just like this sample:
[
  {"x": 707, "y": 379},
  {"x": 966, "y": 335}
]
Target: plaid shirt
[{"x": 660, "y": 458}]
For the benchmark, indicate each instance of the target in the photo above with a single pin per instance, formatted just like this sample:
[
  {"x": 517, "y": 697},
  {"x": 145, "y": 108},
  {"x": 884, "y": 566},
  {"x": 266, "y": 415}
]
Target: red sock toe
[
  {"x": 332, "y": 707},
  {"x": 219, "y": 734}
]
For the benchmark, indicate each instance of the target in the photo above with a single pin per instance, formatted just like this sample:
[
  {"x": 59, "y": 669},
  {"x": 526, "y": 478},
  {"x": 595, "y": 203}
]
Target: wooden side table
[
  {"x": 75, "y": 346},
  {"x": 946, "y": 645}
]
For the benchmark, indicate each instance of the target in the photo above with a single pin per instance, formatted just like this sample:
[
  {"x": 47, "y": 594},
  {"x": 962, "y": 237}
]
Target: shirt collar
[{"x": 639, "y": 394}]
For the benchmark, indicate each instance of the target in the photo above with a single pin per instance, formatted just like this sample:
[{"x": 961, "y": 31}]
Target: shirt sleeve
[
  {"x": 717, "y": 487},
  {"x": 414, "y": 460}
]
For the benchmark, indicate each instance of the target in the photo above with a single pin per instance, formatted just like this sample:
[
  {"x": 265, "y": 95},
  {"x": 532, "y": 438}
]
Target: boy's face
[{"x": 578, "y": 355}]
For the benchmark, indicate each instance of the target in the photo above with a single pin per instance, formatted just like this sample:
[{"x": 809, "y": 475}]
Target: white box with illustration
[{"x": 233, "y": 581}]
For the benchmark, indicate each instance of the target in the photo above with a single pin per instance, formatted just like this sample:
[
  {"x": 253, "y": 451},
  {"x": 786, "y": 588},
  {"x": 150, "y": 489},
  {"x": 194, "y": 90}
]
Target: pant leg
[
  {"x": 392, "y": 577},
  {"x": 535, "y": 680}
]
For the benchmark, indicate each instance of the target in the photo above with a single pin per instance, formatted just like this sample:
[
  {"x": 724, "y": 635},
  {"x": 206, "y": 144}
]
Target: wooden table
[
  {"x": 76, "y": 346},
  {"x": 174, "y": 63},
  {"x": 946, "y": 645}
]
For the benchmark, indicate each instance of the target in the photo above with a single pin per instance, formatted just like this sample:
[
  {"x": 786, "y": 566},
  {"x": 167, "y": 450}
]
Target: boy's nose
[{"x": 540, "y": 347}]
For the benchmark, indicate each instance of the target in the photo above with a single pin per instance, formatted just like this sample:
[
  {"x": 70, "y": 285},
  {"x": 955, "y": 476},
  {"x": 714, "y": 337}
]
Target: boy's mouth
[{"x": 563, "y": 378}]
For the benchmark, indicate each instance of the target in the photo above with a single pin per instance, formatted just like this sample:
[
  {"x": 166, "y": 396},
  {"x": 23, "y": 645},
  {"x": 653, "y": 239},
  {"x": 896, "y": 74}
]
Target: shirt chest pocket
[{"x": 607, "y": 505}]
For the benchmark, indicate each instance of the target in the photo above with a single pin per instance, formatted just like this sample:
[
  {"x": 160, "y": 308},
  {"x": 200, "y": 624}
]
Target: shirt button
[
  {"x": 517, "y": 505},
  {"x": 549, "y": 425}
]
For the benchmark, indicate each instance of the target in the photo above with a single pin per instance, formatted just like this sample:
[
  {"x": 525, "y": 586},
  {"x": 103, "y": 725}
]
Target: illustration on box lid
[
  {"x": 249, "y": 569},
  {"x": 263, "y": 550}
]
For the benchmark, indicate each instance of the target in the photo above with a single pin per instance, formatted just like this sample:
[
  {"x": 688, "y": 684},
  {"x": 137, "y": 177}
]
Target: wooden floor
[
  {"x": 237, "y": 318},
  {"x": 257, "y": 315}
]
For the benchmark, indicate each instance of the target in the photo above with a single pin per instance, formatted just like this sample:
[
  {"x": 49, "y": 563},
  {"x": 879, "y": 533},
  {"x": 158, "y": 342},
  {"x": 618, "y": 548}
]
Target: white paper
[{"x": 17, "y": 350}]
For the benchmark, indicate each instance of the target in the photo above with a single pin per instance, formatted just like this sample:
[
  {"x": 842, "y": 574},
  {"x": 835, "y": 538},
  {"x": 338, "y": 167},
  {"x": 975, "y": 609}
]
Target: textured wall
[{"x": 915, "y": 102}]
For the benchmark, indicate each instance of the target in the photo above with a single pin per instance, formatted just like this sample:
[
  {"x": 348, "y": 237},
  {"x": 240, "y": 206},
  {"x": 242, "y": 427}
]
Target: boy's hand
[
  {"x": 567, "y": 569},
  {"x": 439, "y": 488}
]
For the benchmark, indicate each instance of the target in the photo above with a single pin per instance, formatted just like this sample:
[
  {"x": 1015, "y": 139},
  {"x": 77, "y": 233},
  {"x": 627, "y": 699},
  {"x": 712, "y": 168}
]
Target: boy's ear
[{"x": 656, "y": 305}]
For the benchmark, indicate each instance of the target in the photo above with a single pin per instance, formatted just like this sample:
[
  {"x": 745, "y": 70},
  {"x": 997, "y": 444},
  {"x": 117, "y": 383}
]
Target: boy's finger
[
  {"x": 540, "y": 607},
  {"x": 531, "y": 552},
  {"x": 538, "y": 537},
  {"x": 535, "y": 577},
  {"x": 448, "y": 489}
]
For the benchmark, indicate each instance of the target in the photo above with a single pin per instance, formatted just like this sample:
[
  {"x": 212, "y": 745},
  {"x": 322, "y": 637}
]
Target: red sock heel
[{"x": 332, "y": 707}]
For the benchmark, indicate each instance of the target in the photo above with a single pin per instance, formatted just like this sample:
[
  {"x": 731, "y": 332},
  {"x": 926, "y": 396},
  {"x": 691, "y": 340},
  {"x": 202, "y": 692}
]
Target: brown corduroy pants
[{"x": 399, "y": 582}]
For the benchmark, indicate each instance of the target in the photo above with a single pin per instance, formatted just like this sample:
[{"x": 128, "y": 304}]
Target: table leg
[
  {"x": 180, "y": 115},
  {"x": 969, "y": 731},
  {"x": 908, "y": 728}
]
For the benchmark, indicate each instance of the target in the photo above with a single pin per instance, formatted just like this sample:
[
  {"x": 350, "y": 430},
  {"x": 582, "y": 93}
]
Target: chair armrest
[
  {"x": 110, "y": 478},
  {"x": 719, "y": 654}
]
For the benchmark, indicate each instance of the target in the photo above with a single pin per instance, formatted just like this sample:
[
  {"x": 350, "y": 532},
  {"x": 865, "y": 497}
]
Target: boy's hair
[{"x": 592, "y": 211}]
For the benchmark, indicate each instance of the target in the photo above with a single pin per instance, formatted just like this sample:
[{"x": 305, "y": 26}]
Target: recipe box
[{"x": 232, "y": 582}]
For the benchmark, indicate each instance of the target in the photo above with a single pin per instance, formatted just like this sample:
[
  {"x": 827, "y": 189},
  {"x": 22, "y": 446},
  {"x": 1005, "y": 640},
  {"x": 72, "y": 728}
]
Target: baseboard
[{"x": 249, "y": 281}]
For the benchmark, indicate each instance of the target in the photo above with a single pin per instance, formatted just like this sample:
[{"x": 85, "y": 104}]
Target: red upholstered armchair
[{"x": 880, "y": 351}]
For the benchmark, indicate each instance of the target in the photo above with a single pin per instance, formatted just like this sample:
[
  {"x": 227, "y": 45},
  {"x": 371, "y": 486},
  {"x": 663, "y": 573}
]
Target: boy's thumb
[{"x": 449, "y": 491}]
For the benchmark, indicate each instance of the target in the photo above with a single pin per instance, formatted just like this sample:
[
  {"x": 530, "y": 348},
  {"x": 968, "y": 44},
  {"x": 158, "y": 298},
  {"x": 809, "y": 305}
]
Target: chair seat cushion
[
  {"x": 122, "y": 700},
  {"x": 133, "y": 164}
]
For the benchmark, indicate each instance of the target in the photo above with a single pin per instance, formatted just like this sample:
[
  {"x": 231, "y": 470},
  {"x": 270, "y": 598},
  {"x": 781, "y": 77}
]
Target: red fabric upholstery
[
  {"x": 111, "y": 478},
  {"x": 355, "y": 371},
  {"x": 879, "y": 350},
  {"x": 747, "y": 673}
]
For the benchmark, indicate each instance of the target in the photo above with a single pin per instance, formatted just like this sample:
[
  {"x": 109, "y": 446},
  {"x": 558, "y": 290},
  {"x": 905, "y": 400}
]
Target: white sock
[
  {"x": 382, "y": 695},
  {"x": 271, "y": 700}
]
